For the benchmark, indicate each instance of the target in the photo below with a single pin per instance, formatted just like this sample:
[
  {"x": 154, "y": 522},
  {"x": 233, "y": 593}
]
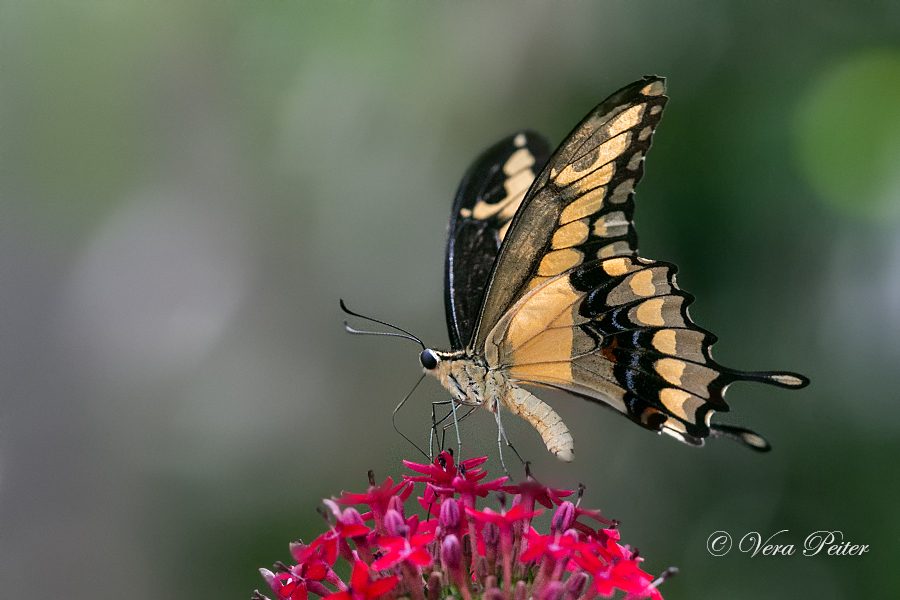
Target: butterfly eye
[{"x": 428, "y": 359}]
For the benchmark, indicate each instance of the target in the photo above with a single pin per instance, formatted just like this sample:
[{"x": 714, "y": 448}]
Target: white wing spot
[{"x": 635, "y": 161}]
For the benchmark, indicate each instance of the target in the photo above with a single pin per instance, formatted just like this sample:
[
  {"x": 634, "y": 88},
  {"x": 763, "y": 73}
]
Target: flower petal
[
  {"x": 381, "y": 587},
  {"x": 359, "y": 579}
]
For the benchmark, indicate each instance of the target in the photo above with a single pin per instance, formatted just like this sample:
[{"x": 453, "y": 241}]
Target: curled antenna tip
[{"x": 404, "y": 333}]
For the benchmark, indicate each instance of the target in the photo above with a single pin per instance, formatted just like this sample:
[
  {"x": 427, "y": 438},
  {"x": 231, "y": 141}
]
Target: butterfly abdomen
[{"x": 553, "y": 431}]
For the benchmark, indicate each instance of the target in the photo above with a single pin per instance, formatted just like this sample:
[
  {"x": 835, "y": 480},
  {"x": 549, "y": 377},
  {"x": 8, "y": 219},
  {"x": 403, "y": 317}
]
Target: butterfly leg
[
  {"x": 452, "y": 412},
  {"x": 394, "y": 417},
  {"x": 434, "y": 424},
  {"x": 501, "y": 438},
  {"x": 461, "y": 419}
]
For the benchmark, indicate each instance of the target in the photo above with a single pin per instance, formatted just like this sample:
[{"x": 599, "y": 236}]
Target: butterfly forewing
[
  {"x": 488, "y": 198},
  {"x": 581, "y": 206}
]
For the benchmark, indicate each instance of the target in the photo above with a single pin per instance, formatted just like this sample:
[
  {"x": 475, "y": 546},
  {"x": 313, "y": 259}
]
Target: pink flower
[
  {"x": 399, "y": 549},
  {"x": 445, "y": 480},
  {"x": 298, "y": 582},
  {"x": 362, "y": 587},
  {"x": 348, "y": 524},
  {"x": 442, "y": 471},
  {"x": 460, "y": 550},
  {"x": 531, "y": 491},
  {"x": 378, "y": 498},
  {"x": 504, "y": 519},
  {"x": 555, "y": 546}
]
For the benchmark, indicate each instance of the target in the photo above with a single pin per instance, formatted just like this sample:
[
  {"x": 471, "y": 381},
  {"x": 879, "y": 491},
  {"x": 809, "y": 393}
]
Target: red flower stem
[
  {"x": 506, "y": 542},
  {"x": 378, "y": 515},
  {"x": 412, "y": 576},
  {"x": 463, "y": 586},
  {"x": 558, "y": 570},
  {"x": 491, "y": 557},
  {"x": 344, "y": 550},
  {"x": 363, "y": 550},
  {"x": 518, "y": 566},
  {"x": 332, "y": 578},
  {"x": 523, "y": 542},
  {"x": 472, "y": 535},
  {"x": 546, "y": 568},
  {"x": 317, "y": 588},
  {"x": 470, "y": 552},
  {"x": 590, "y": 594}
]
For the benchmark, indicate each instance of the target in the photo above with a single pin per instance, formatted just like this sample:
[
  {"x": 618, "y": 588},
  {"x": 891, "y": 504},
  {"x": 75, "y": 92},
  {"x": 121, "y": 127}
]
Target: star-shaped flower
[{"x": 362, "y": 587}]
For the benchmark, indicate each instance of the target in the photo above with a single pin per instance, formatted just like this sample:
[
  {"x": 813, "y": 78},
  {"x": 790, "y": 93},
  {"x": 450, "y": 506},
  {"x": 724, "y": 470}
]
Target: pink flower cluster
[{"x": 459, "y": 550}]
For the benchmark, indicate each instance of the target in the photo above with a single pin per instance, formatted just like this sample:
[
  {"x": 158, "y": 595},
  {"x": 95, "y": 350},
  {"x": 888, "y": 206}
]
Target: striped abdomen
[{"x": 553, "y": 431}]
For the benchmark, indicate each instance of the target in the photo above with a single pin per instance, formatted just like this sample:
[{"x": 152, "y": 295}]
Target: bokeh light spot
[{"x": 847, "y": 134}]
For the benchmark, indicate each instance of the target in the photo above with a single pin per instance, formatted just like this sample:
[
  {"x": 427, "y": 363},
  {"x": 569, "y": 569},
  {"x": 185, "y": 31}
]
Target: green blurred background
[{"x": 189, "y": 187}]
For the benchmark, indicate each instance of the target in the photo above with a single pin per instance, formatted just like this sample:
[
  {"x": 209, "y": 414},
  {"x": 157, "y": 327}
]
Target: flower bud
[
  {"x": 451, "y": 552},
  {"x": 351, "y": 516},
  {"x": 449, "y": 518},
  {"x": 563, "y": 518},
  {"x": 395, "y": 503},
  {"x": 576, "y": 585},
  {"x": 434, "y": 586},
  {"x": 395, "y": 524},
  {"x": 491, "y": 534},
  {"x": 271, "y": 579},
  {"x": 552, "y": 590},
  {"x": 494, "y": 594},
  {"x": 521, "y": 591},
  {"x": 297, "y": 550}
]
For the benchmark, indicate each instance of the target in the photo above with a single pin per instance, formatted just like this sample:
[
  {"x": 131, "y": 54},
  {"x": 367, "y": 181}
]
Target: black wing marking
[
  {"x": 581, "y": 205},
  {"x": 487, "y": 199}
]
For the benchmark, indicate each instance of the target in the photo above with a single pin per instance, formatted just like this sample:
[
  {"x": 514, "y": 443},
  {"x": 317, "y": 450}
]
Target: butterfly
[{"x": 544, "y": 287}]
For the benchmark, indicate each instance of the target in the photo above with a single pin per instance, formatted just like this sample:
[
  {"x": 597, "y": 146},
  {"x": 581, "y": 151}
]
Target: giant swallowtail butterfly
[{"x": 544, "y": 286}]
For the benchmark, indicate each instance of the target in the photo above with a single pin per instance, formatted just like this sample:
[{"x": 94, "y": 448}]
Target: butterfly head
[
  {"x": 442, "y": 364},
  {"x": 429, "y": 359}
]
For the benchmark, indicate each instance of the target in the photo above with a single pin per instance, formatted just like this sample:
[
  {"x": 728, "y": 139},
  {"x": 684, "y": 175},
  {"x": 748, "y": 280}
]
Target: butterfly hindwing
[
  {"x": 488, "y": 198},
  {"x": 581, "y": 206},
  {"x": 617, "y": 331}
]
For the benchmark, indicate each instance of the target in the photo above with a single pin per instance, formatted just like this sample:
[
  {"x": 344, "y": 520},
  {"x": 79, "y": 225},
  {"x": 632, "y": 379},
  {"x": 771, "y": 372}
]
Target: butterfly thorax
[
  {"x": 473, "y": 383},
  {"x": 468, "y": 378}
]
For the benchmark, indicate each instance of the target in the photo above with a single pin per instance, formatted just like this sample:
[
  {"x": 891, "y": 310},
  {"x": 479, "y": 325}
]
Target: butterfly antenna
[
  {"x": 408, "y": 335},
  {"x": 399, "y": 406}
]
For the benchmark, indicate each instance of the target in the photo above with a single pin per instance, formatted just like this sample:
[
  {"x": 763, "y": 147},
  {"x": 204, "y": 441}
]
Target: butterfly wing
[
  {"x": 617, "y": 331},
  {"x": 488, "y": 198},
  {"x": 570, "y": 305},
  {"x": 580, "y": 207}
]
